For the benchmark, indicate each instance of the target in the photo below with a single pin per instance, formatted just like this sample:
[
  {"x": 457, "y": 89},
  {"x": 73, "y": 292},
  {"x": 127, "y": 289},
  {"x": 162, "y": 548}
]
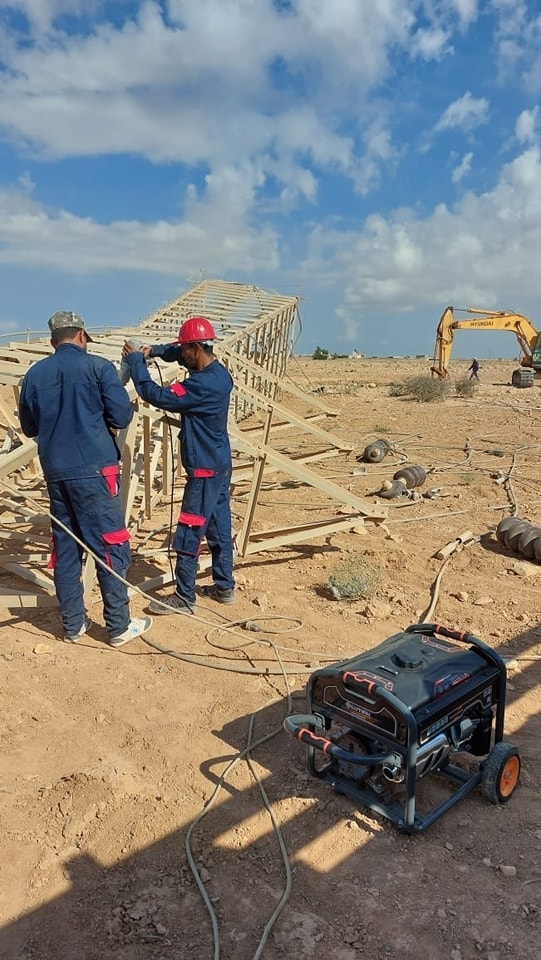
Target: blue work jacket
[
  {"x": 202, "y": 400},
  {"x": 71, "y": 401}
]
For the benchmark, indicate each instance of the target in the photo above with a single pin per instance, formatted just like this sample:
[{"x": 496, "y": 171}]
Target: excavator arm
[{"x": 528, "y": 338}]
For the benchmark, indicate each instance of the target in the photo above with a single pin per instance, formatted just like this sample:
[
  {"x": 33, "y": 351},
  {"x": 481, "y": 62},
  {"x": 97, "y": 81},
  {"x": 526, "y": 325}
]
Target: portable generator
[{"x": 379, "y": 722}]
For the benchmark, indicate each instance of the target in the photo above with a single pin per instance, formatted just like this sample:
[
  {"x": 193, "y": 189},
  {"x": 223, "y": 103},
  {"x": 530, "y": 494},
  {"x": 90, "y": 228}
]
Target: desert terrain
[{"x": 110, "y": 756}]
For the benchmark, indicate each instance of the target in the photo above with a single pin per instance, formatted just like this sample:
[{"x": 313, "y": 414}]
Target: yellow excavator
[{"x": 528, "y": 338}]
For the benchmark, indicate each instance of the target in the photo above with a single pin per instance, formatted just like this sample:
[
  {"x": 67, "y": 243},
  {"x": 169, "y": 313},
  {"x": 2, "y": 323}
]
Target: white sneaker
[
  {"x": 135, "y": 628},
  {"x": 75, "y": 637}
]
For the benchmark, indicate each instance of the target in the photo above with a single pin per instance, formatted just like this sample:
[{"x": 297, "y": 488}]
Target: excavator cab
[{"x": 536, "y": 353}]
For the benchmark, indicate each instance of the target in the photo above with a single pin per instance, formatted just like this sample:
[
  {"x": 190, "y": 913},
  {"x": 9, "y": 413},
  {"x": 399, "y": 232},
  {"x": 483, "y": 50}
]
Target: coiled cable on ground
[{"x": 244, "y": 755}]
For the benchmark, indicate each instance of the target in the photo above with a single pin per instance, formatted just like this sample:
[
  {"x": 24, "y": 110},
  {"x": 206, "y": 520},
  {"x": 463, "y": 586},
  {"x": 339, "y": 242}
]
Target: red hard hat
[{"x": 195, "y": 329}]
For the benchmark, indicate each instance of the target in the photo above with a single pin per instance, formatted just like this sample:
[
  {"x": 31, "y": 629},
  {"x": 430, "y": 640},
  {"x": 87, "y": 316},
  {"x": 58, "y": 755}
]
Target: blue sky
[{"x": 380, "y": 158}]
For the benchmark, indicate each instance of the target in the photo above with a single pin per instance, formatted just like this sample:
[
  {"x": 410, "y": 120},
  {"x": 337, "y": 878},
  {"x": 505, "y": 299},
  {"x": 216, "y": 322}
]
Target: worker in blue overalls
[
  {"x": 74, "y": 403},
  {"x": 202, "y": 400}
]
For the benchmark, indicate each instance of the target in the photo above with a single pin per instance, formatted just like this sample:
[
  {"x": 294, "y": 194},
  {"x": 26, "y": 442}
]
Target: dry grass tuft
[
  {"x": 423, "y": 388},
  {"x": 354, "y": 579},
  {"x": 465, "y": 387}
]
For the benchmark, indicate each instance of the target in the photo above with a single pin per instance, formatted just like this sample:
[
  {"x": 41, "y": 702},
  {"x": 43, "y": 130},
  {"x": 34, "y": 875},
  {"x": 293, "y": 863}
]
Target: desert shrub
[
  {"x": 354, "y": 579},
  {"x": 423, "y": 388},
  {"x": 465, "y": 387},
  {"x": 399, "y": 388}
]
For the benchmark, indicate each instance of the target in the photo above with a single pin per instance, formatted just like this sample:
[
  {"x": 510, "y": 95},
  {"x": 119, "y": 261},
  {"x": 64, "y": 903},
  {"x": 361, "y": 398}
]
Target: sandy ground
[{"x": 110, "y": 756}]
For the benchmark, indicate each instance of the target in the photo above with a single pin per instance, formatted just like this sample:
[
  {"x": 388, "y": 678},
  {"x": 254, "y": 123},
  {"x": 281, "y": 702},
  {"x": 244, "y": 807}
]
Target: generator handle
[
  {"x": 431, "y": 628},
  {"x": 299, "y": 726},
  {"x": 461, "y": 635}
]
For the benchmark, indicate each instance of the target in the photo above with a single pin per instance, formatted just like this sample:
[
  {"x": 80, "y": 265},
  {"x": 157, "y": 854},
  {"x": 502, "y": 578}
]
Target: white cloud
[
  {"x": 214, "y": 83},
  {"x": 215, "y": 232},
  {"x": 465, "y": 113},
  {"x": 9, "y": 326},
  {"x": 198, "y": 88},
  {"x": 378, "y": 153},
  {"x": 483, "y": 251},
  {"x": 518, "y": 42},
  {"x": 527, "y": 126},
  {"x": 463, "y": 168},
  {"x": 432, "y": 44},
  {"x": 466, "y": 9}
]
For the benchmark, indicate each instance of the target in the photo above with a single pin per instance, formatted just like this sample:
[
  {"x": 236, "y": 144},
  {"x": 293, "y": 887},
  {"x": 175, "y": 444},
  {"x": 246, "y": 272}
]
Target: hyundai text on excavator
[{"x": 528, "y": 337}]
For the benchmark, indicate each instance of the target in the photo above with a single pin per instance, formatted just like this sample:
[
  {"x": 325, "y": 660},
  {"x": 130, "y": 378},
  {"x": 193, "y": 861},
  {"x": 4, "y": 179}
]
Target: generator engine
[{"x": 378, "y": 723}]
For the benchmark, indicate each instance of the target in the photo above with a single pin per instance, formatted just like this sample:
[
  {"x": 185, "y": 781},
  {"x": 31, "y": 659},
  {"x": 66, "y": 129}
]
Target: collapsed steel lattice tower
[{"x": 256, "y": 330}]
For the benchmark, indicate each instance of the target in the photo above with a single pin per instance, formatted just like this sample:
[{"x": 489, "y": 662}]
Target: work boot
[
  {"x": 214, "y": 593},
  {"x": 135, "y": 628},
  {"x": 75, "y": 637},
  {"x": 173, "y": 604}
]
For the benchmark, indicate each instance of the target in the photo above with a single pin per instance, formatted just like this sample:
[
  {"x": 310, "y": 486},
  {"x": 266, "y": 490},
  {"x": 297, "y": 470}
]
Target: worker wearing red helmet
[{"x": 202, "y": 400}]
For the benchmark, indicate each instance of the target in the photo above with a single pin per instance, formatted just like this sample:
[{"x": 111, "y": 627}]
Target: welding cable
[
  {"x": 173, "y": 472},
  {"x": 199, "y": 660},
  {"x": 316, "y": 655},
  {"x": 244, "y": 755},
  {"x": 435, "y": 594},
  {"x": 428, "y": 615},
  {"x": 232, "y": 667}
]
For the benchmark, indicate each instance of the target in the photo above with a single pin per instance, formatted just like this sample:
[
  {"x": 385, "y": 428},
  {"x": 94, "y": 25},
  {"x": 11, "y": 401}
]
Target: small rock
[
  {"x": 204, "y": 874},
  {"x": 483, "y": 602},
  {"x": 114, "y": 926},
  {"x": 522, "y": 569},
  {"x": 487, "y": 862},
  {"x": 456, "y": 955},
  {"x": 42, "y": 648},
  {"x": 449, "y": 846},
  {"x": 462, "y": 596},
  {"x": 400, "y": 601},
  {"x": 360, "y": 530},
  {"x": 508, "y": 871},
  {"x": 261, "y": 600},
  {"x": 376, "y": 610}
]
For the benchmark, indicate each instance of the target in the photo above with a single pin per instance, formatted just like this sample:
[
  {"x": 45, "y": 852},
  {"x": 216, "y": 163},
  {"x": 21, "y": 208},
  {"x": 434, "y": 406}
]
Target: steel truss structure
[{"x": 274, "y": 440}]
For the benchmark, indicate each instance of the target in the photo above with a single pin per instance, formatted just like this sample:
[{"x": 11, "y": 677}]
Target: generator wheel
[{"x": 500, "y": 773}]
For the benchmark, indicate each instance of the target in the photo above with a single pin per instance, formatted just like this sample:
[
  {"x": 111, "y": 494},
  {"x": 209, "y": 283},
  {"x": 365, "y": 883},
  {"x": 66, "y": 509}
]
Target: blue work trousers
[
  {"x": 205, "y": 512},
  {"x": 92, "y": 508}
]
